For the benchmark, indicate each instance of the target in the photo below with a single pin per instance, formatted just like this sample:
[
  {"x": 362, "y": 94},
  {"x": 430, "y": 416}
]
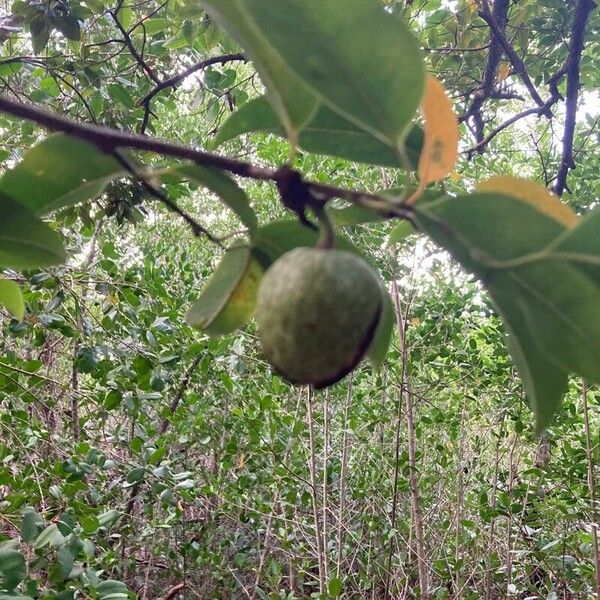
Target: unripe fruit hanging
[{"x": 317, "y": 312}]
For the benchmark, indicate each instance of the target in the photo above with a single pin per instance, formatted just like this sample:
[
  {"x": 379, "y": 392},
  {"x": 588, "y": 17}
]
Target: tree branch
[
  {"x": 197, "y": 229},
  {"x": 108, "y": 140},
  {"x": 500, "y": 13},
  {"x": 175, "y": 80},
  {"x": 129, "y": 43},
  {"x": 572, "y": 68},
  {"x": 515, "y": 59},
  {"x": 179, "y": 77}
]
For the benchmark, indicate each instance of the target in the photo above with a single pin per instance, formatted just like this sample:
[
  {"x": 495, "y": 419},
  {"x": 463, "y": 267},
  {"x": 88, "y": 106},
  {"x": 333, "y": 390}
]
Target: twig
[
  {"x": 129, "y": 43},
  {"x": 172, "y": 592},
  {"x": 175, "y": 80},
  {"x": 197, "y": 229},
  {"x": 179, "y": 394}
]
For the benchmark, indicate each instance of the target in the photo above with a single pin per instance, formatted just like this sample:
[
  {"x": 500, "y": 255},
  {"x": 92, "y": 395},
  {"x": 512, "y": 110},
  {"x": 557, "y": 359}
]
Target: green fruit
[{"x": 317, "y": 312}]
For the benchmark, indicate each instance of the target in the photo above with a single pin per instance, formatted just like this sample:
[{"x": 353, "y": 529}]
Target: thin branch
[
  {"x": 572, "y": 67},
  {"x": 488, "y": 81},
  {"x": 129, "y": 43},
  {"x": 175, "y": 80},
  {"x": 179, "y": 394},
  {"x": 179, "y": 77},
  {"x": 197, "y": 229}
]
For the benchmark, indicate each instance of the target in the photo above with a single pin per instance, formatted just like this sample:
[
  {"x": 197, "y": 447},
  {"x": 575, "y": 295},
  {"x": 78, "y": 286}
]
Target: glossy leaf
[
  {"x": 440, "y": 148},
  {"x": 49, "y": 536},
  {"x": 353, "y": 215},
  {"x": 31, "y": 525},
  {"x": 12, "y": 298},
  {"x": 227, "y": 301},
  {"x": 12, "y": 568},
  {"x": 111, "y": 590},
  {"x": 25, "y": 241},
  {"x": 400, "y": 232},
  {"x": 293, "y": 102},
  {"x": 278, "y": 237},
  {"x": 532, "y": 193},
  {"x": 224, "y": 187},
  {"x": 362, "y": 61},
  {"x": 381, "y": 340},
  {"x": 542, "y": 277},
  {"x": 60, "y": 171},
  {"x": 327, "y": 133}
]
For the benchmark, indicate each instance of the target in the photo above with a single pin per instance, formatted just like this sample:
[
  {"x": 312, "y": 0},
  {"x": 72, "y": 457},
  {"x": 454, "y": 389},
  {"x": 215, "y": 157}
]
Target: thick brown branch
[
  {"x": 515, "y": 59},
  {"x": 108, "y": 140},
  {"x": 578, "y": 31},
  {"x": 488, "y": 81}
]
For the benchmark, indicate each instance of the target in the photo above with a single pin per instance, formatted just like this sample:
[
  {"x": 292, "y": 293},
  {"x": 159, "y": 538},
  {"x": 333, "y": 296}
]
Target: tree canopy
[{"x": 159, "y": 159}]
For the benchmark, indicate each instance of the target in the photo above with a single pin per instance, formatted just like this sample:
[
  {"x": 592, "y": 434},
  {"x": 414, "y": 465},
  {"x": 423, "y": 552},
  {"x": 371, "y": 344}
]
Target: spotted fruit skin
[{"x": 317, "y": 311}]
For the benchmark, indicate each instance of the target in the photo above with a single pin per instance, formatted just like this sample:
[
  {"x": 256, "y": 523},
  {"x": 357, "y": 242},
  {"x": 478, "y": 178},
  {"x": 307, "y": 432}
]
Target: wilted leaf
[{"x": 440, "y": 148}]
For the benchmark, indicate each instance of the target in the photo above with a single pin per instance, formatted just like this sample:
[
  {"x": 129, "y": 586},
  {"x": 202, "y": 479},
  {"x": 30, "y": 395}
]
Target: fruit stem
[{"x": 326, "y": 239}]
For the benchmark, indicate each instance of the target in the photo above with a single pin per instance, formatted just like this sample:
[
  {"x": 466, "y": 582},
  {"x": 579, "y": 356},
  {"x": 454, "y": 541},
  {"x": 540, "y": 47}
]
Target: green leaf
[
  {"x": 359, "y": 59},
  {"x": 542, "y": 277},
  {"x": 60, "y": 171},
  {"x": 111, "y": 589},
  {"x": 108, "y": 518},
  {"x": 136, "y": 475},
  {"x": 50, "y": 536},
  {"x": 65, "y": 561},
  {"x": 31, "y": 525},
  {"x": 383, "y": 334},
  {"x": 121, "y": 95},
  {"x": 545, "y": 384},
  {"x": 327, "y": 133},
  {"x": 12, "y": 298},
  {"x": 12, "y": 568},
  {"x": 353, "y": 215},
  {"x": 334, "y": 587},
  {"x": 68, "y": 25},
  {"x": 228, "y": 300},
  {"x": 25, "y": 241},
  {"x": 400, "y": 232},
  {"x": 291, "y": 99},
  {"x": 224, "y": 187}
]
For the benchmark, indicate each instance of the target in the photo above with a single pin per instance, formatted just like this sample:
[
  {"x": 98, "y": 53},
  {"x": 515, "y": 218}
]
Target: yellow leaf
[
  {"x": 440, "y": 147},
  {"x": 534, "y": 194},
  {"x": 454, "y": 176},
  {"x": 473, "y": 5},
  {"x": 503, "y": 72}
]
